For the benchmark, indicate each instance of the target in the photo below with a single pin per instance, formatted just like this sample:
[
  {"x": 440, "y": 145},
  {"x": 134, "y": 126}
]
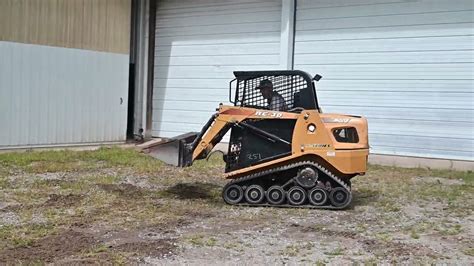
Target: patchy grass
[
  {"x": 67, "y": 160},
  {"x": 202, "y": 240},
  {"x": 396, "y": 185},
  {"x": 469, "y": 252},
  {"x": 113, "y": 194},
  {"x": 23, "y": 236},
  {"x": 297, "y": 249},
  {"x": 338, "y": 251},
  {"x": 466, "y": 176},
  {"x": 291, "y": 251}
]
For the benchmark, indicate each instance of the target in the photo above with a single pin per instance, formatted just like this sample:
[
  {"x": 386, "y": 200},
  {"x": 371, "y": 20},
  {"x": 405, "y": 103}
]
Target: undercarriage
[{"x": 301, "y": 184}]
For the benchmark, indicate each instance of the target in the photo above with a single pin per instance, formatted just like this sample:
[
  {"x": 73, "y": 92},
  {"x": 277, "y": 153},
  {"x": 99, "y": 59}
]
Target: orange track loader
[{"x": 292, "y": 156}]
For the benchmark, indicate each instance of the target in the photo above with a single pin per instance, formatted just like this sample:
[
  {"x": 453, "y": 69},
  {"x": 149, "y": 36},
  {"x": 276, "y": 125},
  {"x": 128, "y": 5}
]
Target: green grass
[
  {"x": 67, "y": 160},
  {"x": 23, "y": 236}
]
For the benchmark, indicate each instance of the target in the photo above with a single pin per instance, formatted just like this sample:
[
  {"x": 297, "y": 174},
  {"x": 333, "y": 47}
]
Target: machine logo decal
[
  {"x": 317, "y": 145},
  {"x": 269, "y": 114},
  {"x": 336, "y": 120}
]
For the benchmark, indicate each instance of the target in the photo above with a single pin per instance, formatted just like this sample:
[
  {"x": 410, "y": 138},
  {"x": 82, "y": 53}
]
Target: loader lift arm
[
  {"x": 215, "y": 129},
  {"x": 210, "y": 135}
]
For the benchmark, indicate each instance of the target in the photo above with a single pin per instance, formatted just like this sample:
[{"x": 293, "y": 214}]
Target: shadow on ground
[{"x": 197, "y": 190}]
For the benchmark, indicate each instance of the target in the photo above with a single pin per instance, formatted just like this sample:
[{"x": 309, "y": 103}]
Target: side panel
[{"x": 248, "y": 147}]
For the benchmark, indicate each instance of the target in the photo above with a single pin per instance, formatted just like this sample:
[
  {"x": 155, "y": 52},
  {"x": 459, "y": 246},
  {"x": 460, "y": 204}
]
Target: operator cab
[{"x": 295, "y": 87}]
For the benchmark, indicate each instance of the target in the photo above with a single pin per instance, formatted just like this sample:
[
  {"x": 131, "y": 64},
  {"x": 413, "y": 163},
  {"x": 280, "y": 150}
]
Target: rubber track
[{"x": 288, "y": 167}]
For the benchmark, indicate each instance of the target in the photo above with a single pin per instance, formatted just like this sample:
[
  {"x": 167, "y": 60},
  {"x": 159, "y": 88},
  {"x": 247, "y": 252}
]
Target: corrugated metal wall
[
  {"x": 100, "y": 25},
  {"x": 198, "y": 46},
  {"x": 406, "y": 65},
  {"x": 63, "y": 72}
]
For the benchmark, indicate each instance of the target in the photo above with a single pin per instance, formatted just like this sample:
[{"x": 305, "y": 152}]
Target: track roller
[
  {"x": 317, "y": 196},
  {"x": 340, "y": 197},
  {"x": 275, "y": 195},
  {"x": 296, "y": 195},
  {"x": 233, "y": 194},
  {"x": 254, "y": 194}
]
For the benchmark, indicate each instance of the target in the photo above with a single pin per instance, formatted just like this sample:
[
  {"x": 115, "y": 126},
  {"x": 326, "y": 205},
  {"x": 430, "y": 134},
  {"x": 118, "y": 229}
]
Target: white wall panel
[
  {"x": 405, "y": 65},
  {"x": 198, "y": 46},
  {"x": 54, "y": 96}
]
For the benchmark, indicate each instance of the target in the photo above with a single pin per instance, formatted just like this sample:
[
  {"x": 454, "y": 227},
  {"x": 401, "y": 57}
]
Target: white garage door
[
  {"x": 198, "y": 46},
  {"x": 406, "y": 65}
]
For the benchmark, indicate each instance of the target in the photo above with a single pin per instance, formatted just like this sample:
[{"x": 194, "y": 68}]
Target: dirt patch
[
  {"x": 63, "y": 200},
  {"x": 158, "y": 248},
  {"x": 51, "y": 176},
  {"x": 4, "y": 206},
  {"x": 396, "y": 249},
  {"x": 123, "y": 190},
  {"x": 50, "y": 248},
  {"x": 194, "y": 191},
  {"x": 327, "y": 232},
  {"x": 363, "y": 197}
]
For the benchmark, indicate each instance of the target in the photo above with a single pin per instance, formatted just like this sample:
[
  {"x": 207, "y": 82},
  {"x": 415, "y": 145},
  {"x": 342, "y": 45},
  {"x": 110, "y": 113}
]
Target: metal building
[{"x": 405, "y": 65}]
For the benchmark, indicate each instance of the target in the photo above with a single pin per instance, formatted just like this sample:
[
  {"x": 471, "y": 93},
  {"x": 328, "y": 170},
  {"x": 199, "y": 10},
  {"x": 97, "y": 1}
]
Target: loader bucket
[{"x": 175, "y": 151}]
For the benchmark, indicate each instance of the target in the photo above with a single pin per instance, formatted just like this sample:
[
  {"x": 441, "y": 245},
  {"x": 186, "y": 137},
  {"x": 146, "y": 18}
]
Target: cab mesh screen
[{"x": 248, "y": 95}]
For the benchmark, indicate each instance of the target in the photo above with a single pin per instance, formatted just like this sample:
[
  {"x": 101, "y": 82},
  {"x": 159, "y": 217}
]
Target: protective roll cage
[{"x": 295, "y": 86}]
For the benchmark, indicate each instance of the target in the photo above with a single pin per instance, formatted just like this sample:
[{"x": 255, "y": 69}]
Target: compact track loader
[{"x": 293, "y": 156}]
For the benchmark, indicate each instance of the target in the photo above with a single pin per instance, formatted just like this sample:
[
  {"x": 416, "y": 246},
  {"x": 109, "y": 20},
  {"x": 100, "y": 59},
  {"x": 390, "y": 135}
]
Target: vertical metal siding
[
  {"x": 198, "y": 46},
  {"x": 51, "y": 95},
  {"x": 406, "y": 65},
  {"x": 100, "y": 25}
]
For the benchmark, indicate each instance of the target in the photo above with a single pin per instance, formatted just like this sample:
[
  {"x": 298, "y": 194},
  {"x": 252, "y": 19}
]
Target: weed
[
  {"x": 414, "y": 234},
  {"x": 335, "y": 252},
  {"x": 4, "y": 182},
  {"x": 388, "y": 205},
  {"x": 201, "y": 240},
  {"x": 386, "y": 237},
  {"x": 320, "y": 263},
  {"x": 234, "y": 246},
  {"x": 469, "y": 252},
  {"x": 101, "y": 248},
  {"x": 291, "y": 251},
  {"x": 445, "y": 229}
]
